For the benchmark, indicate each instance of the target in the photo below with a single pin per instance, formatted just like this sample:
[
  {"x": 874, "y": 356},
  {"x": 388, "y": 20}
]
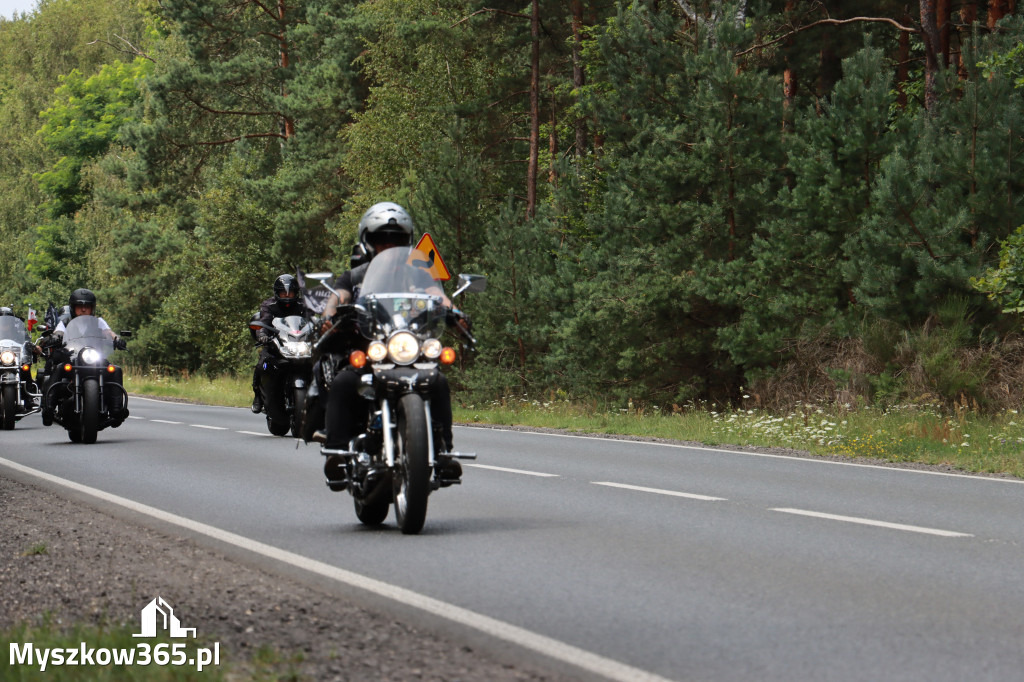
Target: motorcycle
[
  {"x": 85, "y": 389},
  {"x": 400, "y": 454},
  {"x": 286, "y": 374},
  {"x": 19, "y": 395}
]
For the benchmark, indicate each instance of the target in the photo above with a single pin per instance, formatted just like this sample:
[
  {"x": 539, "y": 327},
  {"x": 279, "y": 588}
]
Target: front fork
[{"x": 389, "y": 441}]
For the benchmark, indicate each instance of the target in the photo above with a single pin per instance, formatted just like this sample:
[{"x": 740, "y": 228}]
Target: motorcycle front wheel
[
  {"x": 412, "y": 465},
  {"x": 89, "y": 420},
  {"x": 299, "y": 397},
  {"x": 9, "y": 405}
]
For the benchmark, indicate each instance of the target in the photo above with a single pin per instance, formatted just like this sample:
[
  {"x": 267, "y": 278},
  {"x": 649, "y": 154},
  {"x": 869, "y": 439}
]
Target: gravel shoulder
[{"x": 82, "y": 565}]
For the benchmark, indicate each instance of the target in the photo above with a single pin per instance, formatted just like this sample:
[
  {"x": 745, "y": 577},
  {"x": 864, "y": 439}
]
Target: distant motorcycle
[
  {"x": 400, "y": 453},
  {"x": 287, "y": 373},
  {"x": 84, "y": 389},
  {"x": 19, "y": 395}
]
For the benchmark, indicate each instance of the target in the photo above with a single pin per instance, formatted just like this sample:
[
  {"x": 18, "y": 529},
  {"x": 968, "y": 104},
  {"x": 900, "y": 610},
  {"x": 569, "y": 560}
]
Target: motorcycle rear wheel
[
  {"x": 9, "y": 406},
  {"x": 412, "y": 465}
]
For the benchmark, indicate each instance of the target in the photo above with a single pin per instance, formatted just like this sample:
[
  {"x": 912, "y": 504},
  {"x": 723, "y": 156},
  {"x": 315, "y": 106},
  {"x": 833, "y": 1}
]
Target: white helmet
[{"x": 385, "y": 223}]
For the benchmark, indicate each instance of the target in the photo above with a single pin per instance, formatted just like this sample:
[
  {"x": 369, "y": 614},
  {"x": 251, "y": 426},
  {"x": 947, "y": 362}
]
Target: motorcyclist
[
  {"x": 29, "y": 349},
  {"x": 81, "y": 302},
  {"x": 287, "y": 300},
  {"x": 383, "y": 226}
]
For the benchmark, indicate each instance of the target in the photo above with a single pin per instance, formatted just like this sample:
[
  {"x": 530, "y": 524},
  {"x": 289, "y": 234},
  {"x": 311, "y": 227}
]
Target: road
[{"x": 681, "y": 563}]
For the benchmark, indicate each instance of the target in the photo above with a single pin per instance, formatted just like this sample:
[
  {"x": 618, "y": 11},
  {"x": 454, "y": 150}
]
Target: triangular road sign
[{"x": 425, "y": 255}]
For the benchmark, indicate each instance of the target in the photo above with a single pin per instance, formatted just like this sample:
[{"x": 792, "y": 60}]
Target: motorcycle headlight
[
  {"x": 377, "y": 351},
  {"x": 7, "y": 357},
  {"x": 91, "y": 356},
  {"x": 296, "y": 349},
  {"x": 403, "y": 348},
  {"x": 432, "y": 348}
]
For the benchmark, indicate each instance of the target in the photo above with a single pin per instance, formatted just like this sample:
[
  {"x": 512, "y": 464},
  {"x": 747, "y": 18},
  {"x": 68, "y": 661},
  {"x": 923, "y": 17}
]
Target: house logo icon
[{"x": 158, "y": 614}]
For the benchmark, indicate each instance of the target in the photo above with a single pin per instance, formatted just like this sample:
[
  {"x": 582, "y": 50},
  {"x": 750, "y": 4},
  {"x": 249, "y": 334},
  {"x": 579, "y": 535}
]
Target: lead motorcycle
[
  {"x": 85, "y": 389},
  {"x": 400, "y": 454},
  {"x": 19, "y": 396},
  {"x": 286, "y": 374}
]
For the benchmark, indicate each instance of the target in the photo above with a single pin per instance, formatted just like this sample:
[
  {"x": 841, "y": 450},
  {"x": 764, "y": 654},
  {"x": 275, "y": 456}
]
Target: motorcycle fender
[
  {"x": 400, "y": 380},
  {"x": 10, "y": 377}
]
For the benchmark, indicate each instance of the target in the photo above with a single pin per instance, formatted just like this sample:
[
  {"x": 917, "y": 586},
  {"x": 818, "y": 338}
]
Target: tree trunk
[
  {"x": 788, "y": 78},
  {"x": 578, "y": 79},
  {"x": 943, "y": 19},
  {"x": 531, "y": 170},
  {"x": 968, "y": 15},
  {"x": 930, "y": 35},
  {"x": 289, "y": 124},
  {"x": 996, "y": 11}
]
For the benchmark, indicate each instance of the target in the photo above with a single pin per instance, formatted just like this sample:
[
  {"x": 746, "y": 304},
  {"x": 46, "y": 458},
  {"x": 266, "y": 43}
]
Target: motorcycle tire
[
  {"x": 278, "y": 428},
  {"x": 412, "y": 465},
  {"x": 89, "y": 420},
  {"x": 8, "y": 406},
  {"x": 300, "y": 401}
]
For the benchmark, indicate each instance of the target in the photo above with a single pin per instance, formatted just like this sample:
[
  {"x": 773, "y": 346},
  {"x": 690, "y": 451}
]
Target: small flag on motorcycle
[
  {"x": 31, "y": 322},
  {"x": 314, "y": 299}
]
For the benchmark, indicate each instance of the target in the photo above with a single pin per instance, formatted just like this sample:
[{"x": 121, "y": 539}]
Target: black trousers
[{"x": 344, "y": 400}]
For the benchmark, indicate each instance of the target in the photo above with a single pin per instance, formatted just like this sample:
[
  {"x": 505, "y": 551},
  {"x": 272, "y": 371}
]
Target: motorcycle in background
[
  {"x": 85, "y": 389},
  {"x": 400, "y": 455},
  {"x": 287, "y": 372},
  {"x": 19, "y": 395}
]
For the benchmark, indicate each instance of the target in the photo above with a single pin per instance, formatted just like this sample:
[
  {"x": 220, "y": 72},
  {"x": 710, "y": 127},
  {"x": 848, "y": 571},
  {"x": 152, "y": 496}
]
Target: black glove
[
  {"x": 457, "y": 317},
  {"x": 120, "y": 344},
  {"x": 263, "y": 337}
]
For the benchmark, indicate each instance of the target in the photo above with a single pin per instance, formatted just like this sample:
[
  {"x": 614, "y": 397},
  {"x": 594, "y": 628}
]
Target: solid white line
[
  {"x": 163, "y": 421},
  {"x": 659, "y": 491},
  {"x": 254, "y": 433},
  {"x": 880, "y": 524},
  {"x": 586, "y": 660},
  {"x": 511, "y": 471},
  {"x": 212, "y": 428},
  {"x": 747, "y": 453},
  {"x": 132, "y": 416}
]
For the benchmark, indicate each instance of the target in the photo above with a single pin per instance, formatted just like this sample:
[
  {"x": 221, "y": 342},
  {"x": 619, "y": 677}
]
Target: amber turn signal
[
  {"x": 357, "y": 359},
  {"x": 67, "y": 368},
  {"x": 447, "y": 355},
  {"x": 111, "y": 369}
]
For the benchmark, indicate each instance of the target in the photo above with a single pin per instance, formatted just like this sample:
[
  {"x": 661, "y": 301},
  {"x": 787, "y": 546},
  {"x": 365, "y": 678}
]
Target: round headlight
[
  {"x": 432, "y": 348},
  {"x": 403, "y": 348},
  {"x": 377, "y": 351},
  {"x": 7, "y": 357},
  {"x": 91, "y": 356}
]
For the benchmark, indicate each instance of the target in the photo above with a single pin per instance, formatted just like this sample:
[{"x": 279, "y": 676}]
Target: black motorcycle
[
  {"x": 400, "y": 454},
  {"x": 84, "y": 388},
  {"x": 287, "y": 372},
  {"x": 19, "y": 396}
]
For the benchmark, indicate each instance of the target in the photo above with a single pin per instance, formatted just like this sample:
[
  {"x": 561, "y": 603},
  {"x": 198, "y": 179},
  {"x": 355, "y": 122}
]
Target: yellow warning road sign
[{"x": 425, "y": 255}]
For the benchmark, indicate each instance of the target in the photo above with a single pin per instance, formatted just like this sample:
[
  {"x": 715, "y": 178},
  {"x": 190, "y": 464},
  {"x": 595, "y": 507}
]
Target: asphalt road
[{"x": 685, "y": 563}]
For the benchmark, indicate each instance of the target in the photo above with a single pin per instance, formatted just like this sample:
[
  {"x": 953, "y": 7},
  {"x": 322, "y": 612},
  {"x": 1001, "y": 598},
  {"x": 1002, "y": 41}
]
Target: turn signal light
[
  {"x": 447, "y": 355},
  {"x": 111, "y": 369},
  {"x": 67, "y": 367},
  {"x": 357, "y": 359},
  {"x": 24, "y": 368}
]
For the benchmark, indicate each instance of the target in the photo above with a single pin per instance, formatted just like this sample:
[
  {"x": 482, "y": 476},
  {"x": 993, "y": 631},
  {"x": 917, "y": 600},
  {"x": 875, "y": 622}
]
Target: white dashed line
[
  {"x": 658, "y": 491},
  {"x": 163, "y": 421},
  {"x": 511, "y": 471},
  {"x": 255, "y": 433},
  {"x": 212, "y": 428},
  {"x": 879, "y": 524}
]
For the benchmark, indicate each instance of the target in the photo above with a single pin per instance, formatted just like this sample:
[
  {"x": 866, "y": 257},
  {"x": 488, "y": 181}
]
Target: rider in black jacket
[
  {"x": 287, "y": 300},
  {"x": 383, "y": 226}
]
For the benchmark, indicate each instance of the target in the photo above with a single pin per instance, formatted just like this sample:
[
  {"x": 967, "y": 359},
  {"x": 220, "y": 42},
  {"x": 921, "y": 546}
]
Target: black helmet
[
  {"x": 81, "y": 297},
  {"x": 281, "y": 285},
  {"x": 385, "y": 223}
]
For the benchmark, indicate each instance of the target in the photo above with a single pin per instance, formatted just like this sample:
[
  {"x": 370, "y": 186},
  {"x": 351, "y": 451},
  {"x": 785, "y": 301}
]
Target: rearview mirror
[
  {"x": 125, "y": 335},
  {"x": 472, "y": 283}
]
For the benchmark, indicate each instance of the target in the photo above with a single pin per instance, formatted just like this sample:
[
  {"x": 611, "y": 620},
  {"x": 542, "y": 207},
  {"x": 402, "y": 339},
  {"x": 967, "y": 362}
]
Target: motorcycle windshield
[
  {"x": 84, "y": 332},
  {"x": 13, "y": 329},
  {"x": 398, "y": 293},
  {"x": 294, "y": 327}
]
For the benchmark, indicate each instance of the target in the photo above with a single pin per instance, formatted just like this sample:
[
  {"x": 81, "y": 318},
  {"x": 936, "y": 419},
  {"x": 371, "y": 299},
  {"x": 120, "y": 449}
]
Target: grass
[{"x": 963, "y": 438}]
